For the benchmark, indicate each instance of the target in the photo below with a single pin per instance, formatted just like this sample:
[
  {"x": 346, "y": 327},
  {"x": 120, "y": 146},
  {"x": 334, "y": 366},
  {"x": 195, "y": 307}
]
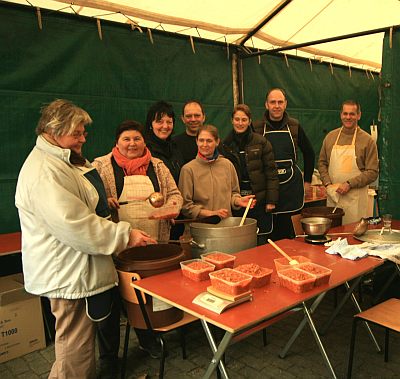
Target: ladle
[
  {"x": 288, "y": 257},
  {"x": 156, "y": 199}
]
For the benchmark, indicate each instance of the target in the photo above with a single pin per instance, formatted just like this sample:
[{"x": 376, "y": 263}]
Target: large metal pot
[{"x": 226, "y": 236}]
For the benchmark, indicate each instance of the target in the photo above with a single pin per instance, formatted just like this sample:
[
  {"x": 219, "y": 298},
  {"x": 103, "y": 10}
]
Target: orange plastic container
[
  {"x": 296, "y": 280},
  {"x": 261, "y": 275},
  {"x": 197, "y": 269},
  {"x": 283, "y": 263},
  {"x": 230, "y": 281},
  {"x": 219, "y": 260},
  {"x": 322, "y": 273}
]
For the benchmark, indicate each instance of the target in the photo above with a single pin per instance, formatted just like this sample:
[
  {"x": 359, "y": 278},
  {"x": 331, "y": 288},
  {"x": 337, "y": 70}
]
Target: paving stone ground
[{"x": 249, "y": 358}]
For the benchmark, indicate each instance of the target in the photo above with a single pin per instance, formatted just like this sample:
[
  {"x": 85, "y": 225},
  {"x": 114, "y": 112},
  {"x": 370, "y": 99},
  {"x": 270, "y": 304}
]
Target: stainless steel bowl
[{"x": 316, "y": 226}]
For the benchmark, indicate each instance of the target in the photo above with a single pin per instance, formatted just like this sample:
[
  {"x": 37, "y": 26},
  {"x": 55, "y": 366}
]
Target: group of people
[{"x": 75, "y": 215}]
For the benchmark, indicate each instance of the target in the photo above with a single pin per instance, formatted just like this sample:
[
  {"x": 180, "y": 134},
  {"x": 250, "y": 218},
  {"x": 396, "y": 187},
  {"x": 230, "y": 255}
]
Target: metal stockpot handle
[{"x": 201, "y": 246}]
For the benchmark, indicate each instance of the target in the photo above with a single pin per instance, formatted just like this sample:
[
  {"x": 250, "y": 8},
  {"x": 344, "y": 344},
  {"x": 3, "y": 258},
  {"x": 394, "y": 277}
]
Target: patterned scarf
[
  {"x": 211, "y": 159},
  {"x": 135, "y": 166}
]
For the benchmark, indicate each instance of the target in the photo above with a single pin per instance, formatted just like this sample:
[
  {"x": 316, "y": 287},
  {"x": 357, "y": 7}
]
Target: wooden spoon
[
  {"x": 288, "y": 257},
  {"x": 245, "y": 212}
]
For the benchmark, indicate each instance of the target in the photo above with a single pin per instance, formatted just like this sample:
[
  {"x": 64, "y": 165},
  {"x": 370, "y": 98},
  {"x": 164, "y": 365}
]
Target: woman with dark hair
[
  {"x": 159, "y": 127},
  {"x": 253, "y": 158}
]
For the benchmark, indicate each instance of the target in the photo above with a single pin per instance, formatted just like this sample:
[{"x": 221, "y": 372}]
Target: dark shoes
[
  {"x": 108, "y": 369},
  {"x": 154, "y": 350}
]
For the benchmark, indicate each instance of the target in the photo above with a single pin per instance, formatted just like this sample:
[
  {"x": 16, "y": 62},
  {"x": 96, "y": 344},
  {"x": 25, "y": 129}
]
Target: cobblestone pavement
[{"x": 249, "y": 358}]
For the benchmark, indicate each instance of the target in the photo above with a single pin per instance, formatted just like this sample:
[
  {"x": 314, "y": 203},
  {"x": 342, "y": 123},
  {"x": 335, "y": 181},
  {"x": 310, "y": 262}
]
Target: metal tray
[{"x": 374, "y": 236}]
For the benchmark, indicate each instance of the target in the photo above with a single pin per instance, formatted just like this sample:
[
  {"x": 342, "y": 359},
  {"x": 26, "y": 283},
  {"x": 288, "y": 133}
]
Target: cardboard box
[{"x": 21, "y": 320}]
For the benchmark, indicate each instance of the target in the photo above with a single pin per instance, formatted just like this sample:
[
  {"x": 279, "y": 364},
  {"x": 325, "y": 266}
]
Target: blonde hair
[{"x": 61, "y": 117}]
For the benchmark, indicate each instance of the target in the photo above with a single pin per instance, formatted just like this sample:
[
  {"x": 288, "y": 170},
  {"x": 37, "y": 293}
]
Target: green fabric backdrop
[
  {"x": 389, "y": 140},
  {"x": 113, "y": 79}
]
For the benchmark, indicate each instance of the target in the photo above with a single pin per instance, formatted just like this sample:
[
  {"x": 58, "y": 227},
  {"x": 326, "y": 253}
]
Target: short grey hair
[{"x": 61, "y": 117}]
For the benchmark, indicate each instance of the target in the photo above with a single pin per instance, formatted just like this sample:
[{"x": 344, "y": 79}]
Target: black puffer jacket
[
  {"x": 167, "y": 151},
  {"x": 260, "y": 165}
]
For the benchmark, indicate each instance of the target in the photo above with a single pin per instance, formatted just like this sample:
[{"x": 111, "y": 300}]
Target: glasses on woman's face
[{"x": 78, "y": 135}]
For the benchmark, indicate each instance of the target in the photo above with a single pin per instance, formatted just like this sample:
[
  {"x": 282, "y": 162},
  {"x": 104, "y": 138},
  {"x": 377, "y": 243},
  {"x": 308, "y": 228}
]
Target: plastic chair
[
  {"x": 128, "y": 293},
  {"x": 298, "y": 229},
  {"x": 385, "y": 314}
]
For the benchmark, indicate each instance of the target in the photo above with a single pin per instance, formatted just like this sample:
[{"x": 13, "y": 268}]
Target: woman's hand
[
  {"x": 112, "y": 203},
  {"x": 244, "y": 200},
  {"x": 223, "y": 213},
  {"x": 269, "y": 207},
  {"x": 139, "y": 238}
]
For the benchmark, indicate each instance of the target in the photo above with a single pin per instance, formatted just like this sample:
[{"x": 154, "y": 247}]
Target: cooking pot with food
[
  {"x": 147, "y": 261},
  {"x": 226, "y": 236}
]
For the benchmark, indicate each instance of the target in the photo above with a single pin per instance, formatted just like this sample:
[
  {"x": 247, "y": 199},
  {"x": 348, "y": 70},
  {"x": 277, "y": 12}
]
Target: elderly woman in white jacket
[{"x": 67, "y": 241}]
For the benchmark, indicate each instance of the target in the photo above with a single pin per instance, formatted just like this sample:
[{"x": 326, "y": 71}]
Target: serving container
[
  {"x": 197, "y": 269},
  {"x": 219, "y": 260},
  {"x": 261, "y": 275},
  {"x": 322, "y": 273},
  {"x": 230, "y": 281},
  {"x": 296, "y": 280}
]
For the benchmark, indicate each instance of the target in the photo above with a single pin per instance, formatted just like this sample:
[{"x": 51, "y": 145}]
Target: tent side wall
[
  {"x": 114, "y": 79},
  {"x": 389, "y": 142},
  {"x": 315, "y": 92}
]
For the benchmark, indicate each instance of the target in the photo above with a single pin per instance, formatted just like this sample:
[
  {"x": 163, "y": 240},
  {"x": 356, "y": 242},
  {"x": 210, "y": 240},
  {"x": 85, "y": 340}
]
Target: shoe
[
  {"x": 108, "y": 369},
  {"x": 154, "y": 350}
]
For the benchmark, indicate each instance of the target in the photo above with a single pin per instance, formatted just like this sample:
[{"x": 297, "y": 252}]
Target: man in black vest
[{"x": 286, "y": 135}]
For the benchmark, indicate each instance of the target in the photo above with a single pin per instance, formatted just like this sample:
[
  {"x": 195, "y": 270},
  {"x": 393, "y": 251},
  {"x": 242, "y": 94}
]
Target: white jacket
[{"x": 66, "y": 247}]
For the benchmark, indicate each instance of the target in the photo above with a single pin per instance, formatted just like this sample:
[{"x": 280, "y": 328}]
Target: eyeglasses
[{"x": 78, "y": 135}]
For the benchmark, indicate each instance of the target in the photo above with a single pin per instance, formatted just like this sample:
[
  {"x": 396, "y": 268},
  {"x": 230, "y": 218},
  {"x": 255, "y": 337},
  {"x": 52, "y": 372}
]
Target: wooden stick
[
  {"x": 245, "y": 212},
  {"x": 288, "y": 257}
]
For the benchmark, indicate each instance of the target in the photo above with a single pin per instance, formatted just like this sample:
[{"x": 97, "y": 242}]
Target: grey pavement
[{"x": 249, "y": 358}]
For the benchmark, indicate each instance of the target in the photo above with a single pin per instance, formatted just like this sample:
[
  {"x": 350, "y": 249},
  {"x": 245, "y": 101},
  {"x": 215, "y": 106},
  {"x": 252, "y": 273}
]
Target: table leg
[
  {"x": 218, "y": 352},
  {"x": 342, "y": 302},
  {"x": 300, "y": 327},
  {"x": 308, "y": 318}
]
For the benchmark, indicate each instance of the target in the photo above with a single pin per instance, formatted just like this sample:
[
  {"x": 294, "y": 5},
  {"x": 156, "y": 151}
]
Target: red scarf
[{"x": 135, "y": 166}]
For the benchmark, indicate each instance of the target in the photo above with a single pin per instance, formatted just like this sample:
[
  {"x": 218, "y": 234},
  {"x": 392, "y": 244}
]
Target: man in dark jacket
[{"x": 286, "y": 135}]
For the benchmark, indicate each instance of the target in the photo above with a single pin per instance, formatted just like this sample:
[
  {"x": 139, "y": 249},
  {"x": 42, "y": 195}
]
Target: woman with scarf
[
  {"x": 130, "y": 172},
  {"x": 209, "y": 183},
  {"x": 253, "y": 158}
]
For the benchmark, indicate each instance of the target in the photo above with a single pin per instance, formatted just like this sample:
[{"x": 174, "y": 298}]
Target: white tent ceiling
[{"x": 296, "y": 22}]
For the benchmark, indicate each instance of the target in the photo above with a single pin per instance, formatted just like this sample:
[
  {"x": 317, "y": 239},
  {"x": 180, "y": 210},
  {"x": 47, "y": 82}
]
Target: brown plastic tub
[
  {"x": 148, "y": 261},
  {"x": 325, "y": 212}
]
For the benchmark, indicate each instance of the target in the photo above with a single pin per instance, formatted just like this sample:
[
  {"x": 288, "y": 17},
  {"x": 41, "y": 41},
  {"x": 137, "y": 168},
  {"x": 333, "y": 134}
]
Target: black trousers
[
  {"x": 283, "y": 227},
  {"x": 108, "y": 331}
]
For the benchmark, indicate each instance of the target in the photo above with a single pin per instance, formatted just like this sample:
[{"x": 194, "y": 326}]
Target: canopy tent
[{"x": 269, "y": 25}]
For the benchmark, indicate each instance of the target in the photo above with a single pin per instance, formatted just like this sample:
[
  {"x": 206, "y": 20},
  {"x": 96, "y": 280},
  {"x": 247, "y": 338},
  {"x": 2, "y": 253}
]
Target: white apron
[
  {"x": 137, "y": 212},
  {"x": 342, "y": 167}
]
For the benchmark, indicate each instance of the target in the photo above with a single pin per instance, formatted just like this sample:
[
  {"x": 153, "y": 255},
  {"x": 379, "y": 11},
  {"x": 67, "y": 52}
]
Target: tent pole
[
  {"x": 274, "y": 12},
  {"x": 317, "y": 42}
]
